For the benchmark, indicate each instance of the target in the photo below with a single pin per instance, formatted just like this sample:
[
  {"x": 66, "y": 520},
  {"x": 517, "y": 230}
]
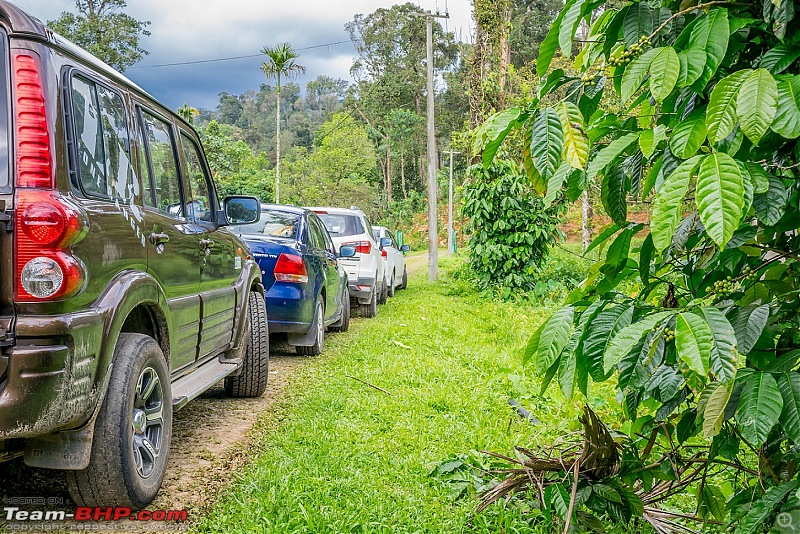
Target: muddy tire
[
  {"x": 404, "y": 283},
  {"x": 132, "y": 432},
  {"x": 391, "y": 287},
  {"x": 343, "y": 324},
  {"x": 371, "y": 309},
  {"x": 252, "y": 380},
  {"x": 319, "y": 328},
  {"x": 384, "y": 296}
]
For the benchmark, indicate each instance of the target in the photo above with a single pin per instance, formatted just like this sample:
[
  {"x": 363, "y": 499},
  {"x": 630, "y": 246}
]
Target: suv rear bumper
[
  {"x": 49, "y": 384},
  {"x": 357, "y": 286}
]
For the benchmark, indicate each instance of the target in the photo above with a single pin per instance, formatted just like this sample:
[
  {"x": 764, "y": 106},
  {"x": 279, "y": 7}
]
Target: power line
[{"x": 199, "y": 61}]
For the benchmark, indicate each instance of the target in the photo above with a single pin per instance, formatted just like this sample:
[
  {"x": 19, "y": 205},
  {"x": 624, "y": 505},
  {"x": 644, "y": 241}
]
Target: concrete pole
[{"x": 433, "y": 235}]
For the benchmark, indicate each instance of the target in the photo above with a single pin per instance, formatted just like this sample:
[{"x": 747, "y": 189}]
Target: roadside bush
[{"x": 511, "y": 231}]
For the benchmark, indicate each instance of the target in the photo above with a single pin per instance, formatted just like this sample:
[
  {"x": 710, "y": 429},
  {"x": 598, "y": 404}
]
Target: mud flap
[{"x": 304, "y": 340}]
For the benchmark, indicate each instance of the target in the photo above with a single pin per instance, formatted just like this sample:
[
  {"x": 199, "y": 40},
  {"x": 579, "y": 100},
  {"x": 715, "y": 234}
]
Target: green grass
[{"x": 341, "y": 456}]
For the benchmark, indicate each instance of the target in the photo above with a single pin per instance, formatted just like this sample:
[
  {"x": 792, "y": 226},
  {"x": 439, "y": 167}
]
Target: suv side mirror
[
  {"x": 347, "y": 251},
  {"x": 405, "y": 248},
  {"x": 242, "y": 210},
  {"x": 386, "y": 242}
]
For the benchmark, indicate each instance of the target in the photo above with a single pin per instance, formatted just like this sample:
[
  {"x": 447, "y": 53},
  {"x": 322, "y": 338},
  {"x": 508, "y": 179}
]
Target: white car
[
  {"x": 396, "y": 274},
  {"x": 366, "y": 270}
]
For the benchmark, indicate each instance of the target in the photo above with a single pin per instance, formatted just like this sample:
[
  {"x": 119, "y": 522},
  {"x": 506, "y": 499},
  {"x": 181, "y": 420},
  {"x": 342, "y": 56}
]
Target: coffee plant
[
  {"x": 511, "y": 229},
  {"x": 693, "y": 107}
]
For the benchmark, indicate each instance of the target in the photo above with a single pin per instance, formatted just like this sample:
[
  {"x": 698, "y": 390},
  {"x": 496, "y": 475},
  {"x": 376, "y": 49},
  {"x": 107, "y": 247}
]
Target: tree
[
  {"x": 188, "y": 113},
  {"x": 281, "y": 63},
  {"x": 695, "y": 108},
  {"x": 101, "y": 28}
]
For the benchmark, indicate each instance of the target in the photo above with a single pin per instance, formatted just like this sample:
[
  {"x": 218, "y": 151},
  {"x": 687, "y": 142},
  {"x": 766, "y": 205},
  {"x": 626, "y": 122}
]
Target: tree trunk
[
  {"x": 278, "y": 149},
  {"x": 388, "y": 170},
  {"x": 403, "y": 170}
]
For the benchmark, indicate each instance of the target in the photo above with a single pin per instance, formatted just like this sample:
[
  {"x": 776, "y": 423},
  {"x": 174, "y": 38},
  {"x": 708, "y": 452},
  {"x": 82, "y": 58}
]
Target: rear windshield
[
  {"x": 342, "y": 225},
  {"x": 272, "y": 223}
]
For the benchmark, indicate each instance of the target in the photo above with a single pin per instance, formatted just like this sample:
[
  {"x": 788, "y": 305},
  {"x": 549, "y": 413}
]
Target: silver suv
[{"x": 365, "y": 270}]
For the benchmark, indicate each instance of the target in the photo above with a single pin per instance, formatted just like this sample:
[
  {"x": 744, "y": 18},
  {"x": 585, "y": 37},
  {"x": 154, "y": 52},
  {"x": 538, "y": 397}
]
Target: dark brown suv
[{"x": 122, "y": 294}]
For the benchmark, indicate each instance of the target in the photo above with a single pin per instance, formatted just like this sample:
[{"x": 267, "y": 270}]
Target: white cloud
[{"x": 190, "y": 30}]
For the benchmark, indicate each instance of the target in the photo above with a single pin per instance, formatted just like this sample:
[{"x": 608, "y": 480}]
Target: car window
[
  {"x": 328, "y": 241},
  {"x": 165, "y": 186},
  {"x": 273, "y": 223},
  {"x": 318, "y": 234},
  {"x": 5, "y": 141},
  {"x": 342, "y": 225},
  {"x": 101, "y": 134},
  {"x": 200, "y": 206}
]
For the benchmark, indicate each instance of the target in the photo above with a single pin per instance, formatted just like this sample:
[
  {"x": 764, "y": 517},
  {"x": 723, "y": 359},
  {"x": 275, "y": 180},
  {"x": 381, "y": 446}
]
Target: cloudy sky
[{"x": 191, "y": 30}]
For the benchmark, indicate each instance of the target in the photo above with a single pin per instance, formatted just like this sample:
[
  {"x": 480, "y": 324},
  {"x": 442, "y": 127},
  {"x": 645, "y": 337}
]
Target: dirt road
[{"x": 210, "y": 440}]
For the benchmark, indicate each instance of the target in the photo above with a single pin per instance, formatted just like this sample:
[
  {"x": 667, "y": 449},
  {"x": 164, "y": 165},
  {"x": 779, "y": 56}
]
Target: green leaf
[
  {"x": 749, "y": 323},
  {"x": 759, "y": 176},
  {"x": 757, "y": 104},
  {"x": 761, "y": 510},
  {"x": 576, "y": 143},
  {"x": 720, "y": 196},
  {"x": 547, "y": 142},
  {"x": 759, "y": 408},
  {"x": 550, "y": 44},
  {"x": 532, "y": 347},
  {"x": 602, "y": 237},
  {"x": 614, "y": 195},
  {"x": 692, "y": 61},
  {"x": 635, "y": 72},
  {"x": 555, "y": 183},
  {"x": 688, "y": 135},
  {"x": 600, "y": 332},
  {"x": 569, "y": 25},
  {"x": 566, "y": 374},
  {"x": 492, "y": 133},
  {"x": 789, "y": 384},
  {"x": 693, "y": 340},
  {"x": 714, "y": 410},
  {"x": 554, "y": 337},
  {"x": 667, "y": 203},
  {"x": 664, "y": 70},
  {"x": 711, "y": 502},
  {"x": 638, "y": 22},
  {"x": 779, "y": 58},
  {"x": 610, "y": 153},
  {"x": 787, "y": 116},
  {"x": 628, "y": 337},
  {"x": 617, "y": 256},
  {"x": 710, "y": 34},
  {"x": 770, "y": 206},
  {"x": 723, "y": 351},
  {"x": 646, "y": 253},
  {"x": 649, "y": 140},
  {"x": 721, "y": 113}
]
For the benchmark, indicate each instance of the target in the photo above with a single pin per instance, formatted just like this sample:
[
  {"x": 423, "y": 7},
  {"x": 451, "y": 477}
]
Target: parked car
[
  {"x": 396, "y": 275},
  {"x": 118, "y": 303},
  {"x": 366, "y": 270},
  {"x": 305, "y": 286}
]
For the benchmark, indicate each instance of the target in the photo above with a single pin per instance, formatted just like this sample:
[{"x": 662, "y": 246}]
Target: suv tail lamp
[
  {"x": 290, "y": 268},
  {"x": 34, "y": 157},
  {"x": 362, "y": 247},
  {"x": 45, "y": 223}
]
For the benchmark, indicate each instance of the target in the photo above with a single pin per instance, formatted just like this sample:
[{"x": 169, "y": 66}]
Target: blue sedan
[{"x": 305, "y": 287}]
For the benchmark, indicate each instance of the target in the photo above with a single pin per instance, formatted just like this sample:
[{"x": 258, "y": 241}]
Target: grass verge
[{"x": 343, "y": 456}]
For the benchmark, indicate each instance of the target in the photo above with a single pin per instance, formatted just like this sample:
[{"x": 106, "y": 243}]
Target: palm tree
[
  {"x": 188, "y": 113},
  {"x": 281, "y": 63}
]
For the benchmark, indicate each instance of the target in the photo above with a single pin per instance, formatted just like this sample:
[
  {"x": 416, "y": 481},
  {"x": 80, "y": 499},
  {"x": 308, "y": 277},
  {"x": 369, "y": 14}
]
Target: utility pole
[
  {"x": 433, "y": 236},
  {"x": 450, "y": 248}
]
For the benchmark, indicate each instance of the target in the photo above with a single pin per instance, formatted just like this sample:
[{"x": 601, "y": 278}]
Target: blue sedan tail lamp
[{"x": 290, "y": 268}]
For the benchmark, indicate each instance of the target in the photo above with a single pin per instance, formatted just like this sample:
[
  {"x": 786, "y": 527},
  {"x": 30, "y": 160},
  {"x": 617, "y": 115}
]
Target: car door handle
[
  {"x": 206, "y": 243},
  {"x": 158, "y": 238}
]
